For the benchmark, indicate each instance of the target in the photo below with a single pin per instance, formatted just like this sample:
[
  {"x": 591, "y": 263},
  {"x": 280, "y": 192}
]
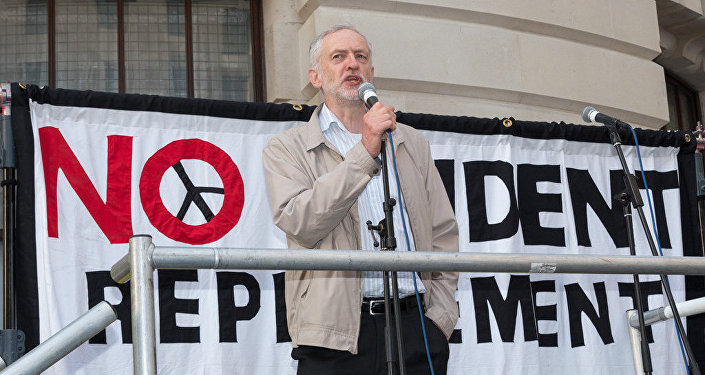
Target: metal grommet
[
  {"x": 298, "y": 107},
  {"x": 687, "y": 138},
  {"x": 507, "y": 122},
  {"x": 22, "y": 85}
]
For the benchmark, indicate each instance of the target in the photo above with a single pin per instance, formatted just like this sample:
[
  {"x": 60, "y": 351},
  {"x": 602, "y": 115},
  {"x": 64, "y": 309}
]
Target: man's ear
[{"x": 314, "y": 78}]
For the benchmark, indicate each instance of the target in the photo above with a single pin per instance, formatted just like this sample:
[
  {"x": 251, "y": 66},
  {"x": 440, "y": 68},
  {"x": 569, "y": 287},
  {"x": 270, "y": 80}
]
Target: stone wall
[{"x": 540, "y": 60}]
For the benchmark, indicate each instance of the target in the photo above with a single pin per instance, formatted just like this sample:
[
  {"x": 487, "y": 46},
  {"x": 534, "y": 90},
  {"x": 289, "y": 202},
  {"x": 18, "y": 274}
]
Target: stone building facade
[{"x": 540, "y": 60}]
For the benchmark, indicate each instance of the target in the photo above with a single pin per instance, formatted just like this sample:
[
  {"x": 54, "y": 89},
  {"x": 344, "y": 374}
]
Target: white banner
[{"x": 102, "y": 175}]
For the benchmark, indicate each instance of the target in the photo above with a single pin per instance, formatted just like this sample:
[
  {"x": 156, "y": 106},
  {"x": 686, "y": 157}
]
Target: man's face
[{"x": 344, "y": 65}]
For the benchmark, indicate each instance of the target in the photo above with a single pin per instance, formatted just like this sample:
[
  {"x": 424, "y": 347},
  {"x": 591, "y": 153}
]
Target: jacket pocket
[{"x": 297, "y": 287}]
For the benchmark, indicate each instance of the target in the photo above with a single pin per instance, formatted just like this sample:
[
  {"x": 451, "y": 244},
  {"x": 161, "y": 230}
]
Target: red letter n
[{"x": 112, "y": 216}]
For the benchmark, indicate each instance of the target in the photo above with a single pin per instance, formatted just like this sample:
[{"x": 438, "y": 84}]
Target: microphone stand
[
  {"x": 385, "y": 228},
  {"x": 633, "y": 190},
  {"x": 626, "y": 198}
]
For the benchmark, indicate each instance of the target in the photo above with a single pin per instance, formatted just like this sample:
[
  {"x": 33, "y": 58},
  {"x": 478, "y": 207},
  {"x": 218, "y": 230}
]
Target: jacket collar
[{"x": 312, "y": 135}]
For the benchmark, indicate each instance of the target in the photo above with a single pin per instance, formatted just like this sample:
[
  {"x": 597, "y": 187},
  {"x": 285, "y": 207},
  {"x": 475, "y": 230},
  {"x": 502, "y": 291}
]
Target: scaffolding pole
[
  {"x": 142, "y": 298},
  {"x": 64, "y": 341},
  {"x": 356, "y": 260}
]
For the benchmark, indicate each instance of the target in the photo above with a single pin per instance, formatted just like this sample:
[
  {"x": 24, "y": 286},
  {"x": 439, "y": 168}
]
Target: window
[
  {"x": 23, "y": 41},
  {"x": 683, "y": 105},
  {"x": 177, "y": 72},
  {"x": 175, "y": 17},
  {"x": 151, "y": 49},
  {"x": 221, "y": 50},
  {"x": 107, "y": 15},
  {"x": 35, "y": 17},
  {"x": 234, "y": 86},
  {"x": 187, "y": 48},
  {"x": 85, "y": 44},
  {"x": 33, "y": 70},
  {"x": 235, "y": 23}
]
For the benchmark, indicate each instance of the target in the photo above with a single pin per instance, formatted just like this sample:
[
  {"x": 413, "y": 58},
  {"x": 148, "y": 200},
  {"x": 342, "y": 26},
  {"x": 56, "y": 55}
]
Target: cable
[
  {"x": 408, "y": 248},
  {"x": 658, "y": 241}
]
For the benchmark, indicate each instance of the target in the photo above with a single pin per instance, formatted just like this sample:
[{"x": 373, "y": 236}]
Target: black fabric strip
[
  {"x": 289, "y": 112},
  {"x": 24, "y": 252},
  {"x": 543, "y": 130},
  {"x": 153, "y": 103},
  {"x": 690, "y": 230}
]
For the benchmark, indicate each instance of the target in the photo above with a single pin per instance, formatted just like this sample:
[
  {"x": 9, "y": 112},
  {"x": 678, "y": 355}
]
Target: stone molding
[{"x": 682, "y": 30}]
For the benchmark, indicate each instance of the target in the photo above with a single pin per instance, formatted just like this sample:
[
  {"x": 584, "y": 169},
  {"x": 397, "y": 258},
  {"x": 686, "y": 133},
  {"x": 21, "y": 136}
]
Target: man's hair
[{"x": 314, "y": 51}]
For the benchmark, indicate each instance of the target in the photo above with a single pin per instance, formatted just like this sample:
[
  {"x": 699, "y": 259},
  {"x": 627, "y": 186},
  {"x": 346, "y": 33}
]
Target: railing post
[
  {"x": 142, "y": 297},
  {"x": 635, "y": 339}
]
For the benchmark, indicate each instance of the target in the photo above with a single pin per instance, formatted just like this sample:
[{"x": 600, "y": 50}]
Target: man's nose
[{"x": 353, "y": 64}]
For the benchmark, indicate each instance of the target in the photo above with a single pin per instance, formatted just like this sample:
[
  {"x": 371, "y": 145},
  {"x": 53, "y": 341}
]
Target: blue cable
[
  {"x": 658, "y": 241},
  {"x": 408, "y": 248}
]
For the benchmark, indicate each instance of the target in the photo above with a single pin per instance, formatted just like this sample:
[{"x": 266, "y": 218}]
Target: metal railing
[
  {"x": 144, "y": 258},
  {"x": 64, "y": 341}
]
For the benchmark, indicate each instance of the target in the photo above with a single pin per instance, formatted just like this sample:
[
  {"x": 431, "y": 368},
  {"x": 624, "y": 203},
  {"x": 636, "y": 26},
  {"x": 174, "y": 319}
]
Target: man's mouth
[{"x": 354, "y": 80}]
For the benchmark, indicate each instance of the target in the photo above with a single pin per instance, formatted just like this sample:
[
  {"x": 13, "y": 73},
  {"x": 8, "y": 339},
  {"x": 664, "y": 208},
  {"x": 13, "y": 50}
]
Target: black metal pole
[
  {"x": 645, "y": 351},
  {"x": 700, "y": 184},
  {"x": 389, "y": 243},
  {"x": 388, "y": 344},
  {"x": 9, "y": 303},
  {"x": 701, "y": 225},
  {"x": 633, "y": 190}
]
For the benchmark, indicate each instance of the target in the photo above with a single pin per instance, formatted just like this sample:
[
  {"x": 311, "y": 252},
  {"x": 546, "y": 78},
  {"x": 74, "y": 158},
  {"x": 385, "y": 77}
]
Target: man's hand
[{"x": 376, "y": 121}]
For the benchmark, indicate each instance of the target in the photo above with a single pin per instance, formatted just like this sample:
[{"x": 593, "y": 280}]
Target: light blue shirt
[{"x": 369, "y": 205}]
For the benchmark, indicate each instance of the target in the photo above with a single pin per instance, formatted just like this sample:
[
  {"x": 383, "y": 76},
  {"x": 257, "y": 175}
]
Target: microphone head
[
  {"x": 587, "y": 113},
  {"x": 365, "y": 87}
]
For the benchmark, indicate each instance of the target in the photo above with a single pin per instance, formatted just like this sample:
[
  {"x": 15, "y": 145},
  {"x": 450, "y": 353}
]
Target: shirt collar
[{"x": 326, "y": 118}]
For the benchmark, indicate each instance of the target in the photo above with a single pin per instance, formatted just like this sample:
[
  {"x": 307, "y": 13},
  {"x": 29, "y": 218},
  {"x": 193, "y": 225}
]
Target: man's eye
[{"x": 362, "y": 57}]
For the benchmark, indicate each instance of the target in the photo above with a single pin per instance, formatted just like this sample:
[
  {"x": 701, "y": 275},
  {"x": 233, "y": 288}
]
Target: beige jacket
[{"x": 313, "y": 193}]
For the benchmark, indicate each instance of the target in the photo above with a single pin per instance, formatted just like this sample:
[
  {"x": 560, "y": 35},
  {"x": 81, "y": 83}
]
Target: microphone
[
  {"x": 592, "y": 115},
  {"x": 368, "y": 94}
]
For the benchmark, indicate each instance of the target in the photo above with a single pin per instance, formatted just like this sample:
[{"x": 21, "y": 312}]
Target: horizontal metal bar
[
  {"x": 120, "y": 271},
  {"x": 274, "y": 259},
  {"x": 64, "y": 341},
  {"x": 685, "y": 308}
]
